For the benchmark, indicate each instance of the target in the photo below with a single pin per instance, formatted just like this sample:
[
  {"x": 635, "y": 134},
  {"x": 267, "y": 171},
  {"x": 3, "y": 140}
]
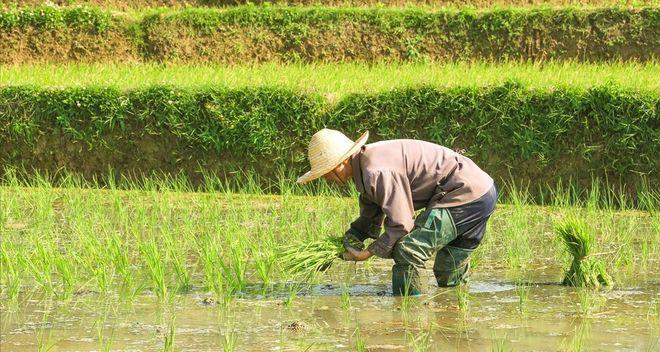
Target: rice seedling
[
  {"x": 105, "y": 342},
  {"x": 234, "y": 271},
  {"x": 585, "y": 270},
  {"x": 66, "y": 270},
  {"x": 118, "y": 256},
  {"x": 463, "y": 297},
  {"x": 40, "y": 264},
  {"x": 421, "y": 341},
  {"x": 177, "y": 255},
  {"x": 209, "y": 256},
  {"x": 263, "y": 263},
  {"x": 12, "y": 270},
  {"x": 45, "y": 341},
  {"x": 102, "y": 276},
  {"x": 156, "y": 268},
  {"x": 516, "y": 230},
  {"x": 589, "y": 301},
  {"x": 292, "y": 293},
  {"x": 360, "y": 344},
  {"x": 229, "y": 341},
  {"x": 522, "y": 290},
  {"x": 168, "y": 338},
  {"x": 500, "y": 344},
  {"x": 345, "y": 298},
  {"x": 305, "y": 259},
  {"x": 580, "y": 335}
]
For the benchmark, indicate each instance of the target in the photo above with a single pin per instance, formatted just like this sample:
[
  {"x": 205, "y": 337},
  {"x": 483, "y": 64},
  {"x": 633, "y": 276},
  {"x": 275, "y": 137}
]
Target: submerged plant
[
  {"x": 229, "y": 341},
  {"x": 168, "y": 338},
  {"x": 360, "y": 344},
  {"x": 586, "y": 270},
  {"x": 420, "y": 341},
  {"x": 463, "y": 298},
  {"x": 306, "y": 258},
  {"x": 522, "y": 290}
]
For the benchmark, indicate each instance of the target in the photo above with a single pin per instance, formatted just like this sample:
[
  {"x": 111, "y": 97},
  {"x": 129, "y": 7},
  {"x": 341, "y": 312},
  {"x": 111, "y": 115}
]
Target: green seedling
[
  {"x": 156, "y": 269},
  {"x": 522, "y": 290},
  {"x": 463, "y": 298},
  {"x": 585, "y": 270},
  {"x": 305, "y": 259}
]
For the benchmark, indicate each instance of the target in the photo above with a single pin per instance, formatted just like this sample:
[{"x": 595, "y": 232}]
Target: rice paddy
[
  {"x": 337, "y": 80},
  {"x": 157, "y": 210},
  {"x": 145, "y": 264}
]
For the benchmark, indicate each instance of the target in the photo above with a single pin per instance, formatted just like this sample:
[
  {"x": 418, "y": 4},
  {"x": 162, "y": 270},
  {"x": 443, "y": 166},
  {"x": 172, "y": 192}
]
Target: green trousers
[{"x": 434, "y": 230}]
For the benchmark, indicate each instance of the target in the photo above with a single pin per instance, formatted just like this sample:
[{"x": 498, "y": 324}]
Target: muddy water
[{"x": 318, "y": 319}]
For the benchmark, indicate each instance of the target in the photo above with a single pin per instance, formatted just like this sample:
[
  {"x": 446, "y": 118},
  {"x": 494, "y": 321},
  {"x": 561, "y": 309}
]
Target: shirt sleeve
[
  {"x": 392, "y": 193},
  {"x": 370, "y": 221}
]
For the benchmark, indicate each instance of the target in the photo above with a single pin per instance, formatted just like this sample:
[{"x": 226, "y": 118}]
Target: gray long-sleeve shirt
[{"x": 397, "y": 177}]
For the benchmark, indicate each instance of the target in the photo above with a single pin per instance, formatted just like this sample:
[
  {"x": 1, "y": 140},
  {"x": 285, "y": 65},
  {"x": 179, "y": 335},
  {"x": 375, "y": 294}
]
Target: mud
[{"x": 622, "y": 319}]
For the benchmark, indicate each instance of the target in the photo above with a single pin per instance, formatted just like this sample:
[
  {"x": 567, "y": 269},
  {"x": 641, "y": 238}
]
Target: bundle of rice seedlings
[
  {"x": 586, "y": 269},
  {"x": 306, "y": 258}
]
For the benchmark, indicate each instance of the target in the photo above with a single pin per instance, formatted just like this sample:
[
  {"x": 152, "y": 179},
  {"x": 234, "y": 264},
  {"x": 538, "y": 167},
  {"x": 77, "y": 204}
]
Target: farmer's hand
[
  {"x": 355, "y": 255},
  {"x": 350, "y": 240}
]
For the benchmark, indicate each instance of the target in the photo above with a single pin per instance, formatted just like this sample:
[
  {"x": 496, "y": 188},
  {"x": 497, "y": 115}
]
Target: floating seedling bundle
[
  {"x": 306, "y": 258},
  {"x": 586, "y": 269}
]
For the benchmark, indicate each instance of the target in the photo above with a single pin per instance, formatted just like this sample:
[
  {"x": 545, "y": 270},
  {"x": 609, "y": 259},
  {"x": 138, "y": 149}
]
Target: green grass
[
  {"x": 136, "y": 5},
  {"x": 337, "y": 80},
  {"x": 587, "y": 269},
  {"x": 333, "y": 34},
  {"x": 306, "y": 258},
  {"x": 164, "y": 239}
]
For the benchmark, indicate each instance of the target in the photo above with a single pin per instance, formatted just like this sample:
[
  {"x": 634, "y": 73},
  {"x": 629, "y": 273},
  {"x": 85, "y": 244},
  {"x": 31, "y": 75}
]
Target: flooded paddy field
[{"x": 166, "y": 269}]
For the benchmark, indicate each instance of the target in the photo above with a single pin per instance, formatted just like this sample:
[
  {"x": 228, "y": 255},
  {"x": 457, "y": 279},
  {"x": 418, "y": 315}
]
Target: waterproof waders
[
  {"x": 434, "y": 229},
  {"x": 451, "y": 234}
]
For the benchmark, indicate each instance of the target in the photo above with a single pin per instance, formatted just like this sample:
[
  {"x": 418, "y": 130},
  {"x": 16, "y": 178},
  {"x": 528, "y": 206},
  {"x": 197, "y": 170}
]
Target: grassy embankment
[
  {"x": 549, "y": 122},
  {"x": 327, "y": 34},
  {"x": 137, "y": 4}
]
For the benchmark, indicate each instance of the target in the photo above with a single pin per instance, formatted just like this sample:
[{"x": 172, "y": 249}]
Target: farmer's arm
[
  {"x": 370, "y": 220},
  {"x": 392, "y": 192}
]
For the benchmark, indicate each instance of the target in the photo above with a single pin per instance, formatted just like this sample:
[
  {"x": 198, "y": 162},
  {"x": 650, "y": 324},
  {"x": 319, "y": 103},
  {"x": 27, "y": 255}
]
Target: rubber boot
[
  {"x": 405, "y": 281},
  {"x": 452, "y": 266}
]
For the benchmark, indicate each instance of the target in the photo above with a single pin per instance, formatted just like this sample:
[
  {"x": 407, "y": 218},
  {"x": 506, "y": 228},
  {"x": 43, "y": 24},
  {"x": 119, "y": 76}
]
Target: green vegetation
[
  {"x": 586, "y": 268},
  {"x": 604, "y": 132},
  {"x": 338, "y": 80},
  {"x": 83, "y": 18},
  {"x": 222, "y": 234},
  {"x": 136, "y": 4},
  {"x": 324, "y": 34},
  {"x": 152, "y": 175},
  {"x": 309, "y": 257}
]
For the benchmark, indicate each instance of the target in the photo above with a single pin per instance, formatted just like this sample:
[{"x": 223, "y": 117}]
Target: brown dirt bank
[
  {"x": 271, "y": 34},
  {"x": 62, "y": 45}
]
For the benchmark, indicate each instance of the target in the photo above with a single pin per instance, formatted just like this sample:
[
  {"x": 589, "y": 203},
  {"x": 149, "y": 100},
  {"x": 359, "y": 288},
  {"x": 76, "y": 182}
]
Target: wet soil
[{"x": 554, "y": 317}]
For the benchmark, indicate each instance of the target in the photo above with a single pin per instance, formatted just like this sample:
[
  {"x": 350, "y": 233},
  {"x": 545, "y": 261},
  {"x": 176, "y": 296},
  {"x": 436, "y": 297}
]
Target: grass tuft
[
  {"x": 586, "y": 269},
  {"x": 304, "y": 259}
]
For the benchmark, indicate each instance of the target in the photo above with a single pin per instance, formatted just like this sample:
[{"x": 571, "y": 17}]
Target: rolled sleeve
[{"x": 392, "y": 193}]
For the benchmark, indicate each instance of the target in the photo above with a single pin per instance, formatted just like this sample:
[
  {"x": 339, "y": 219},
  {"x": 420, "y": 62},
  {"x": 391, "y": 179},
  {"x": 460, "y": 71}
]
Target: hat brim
[{"x": 314, "y": 174}]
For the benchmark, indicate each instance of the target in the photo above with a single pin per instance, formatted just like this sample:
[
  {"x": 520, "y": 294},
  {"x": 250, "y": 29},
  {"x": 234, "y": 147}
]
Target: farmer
[{"x": 395, "y": 178}]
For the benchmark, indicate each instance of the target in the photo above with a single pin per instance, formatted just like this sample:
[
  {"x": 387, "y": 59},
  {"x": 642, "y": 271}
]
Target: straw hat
[{"x": 327, "y": 149}]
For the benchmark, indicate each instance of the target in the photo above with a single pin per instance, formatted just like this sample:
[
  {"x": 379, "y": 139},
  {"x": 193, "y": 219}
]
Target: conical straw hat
[{"x": 327, "y": 149}]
